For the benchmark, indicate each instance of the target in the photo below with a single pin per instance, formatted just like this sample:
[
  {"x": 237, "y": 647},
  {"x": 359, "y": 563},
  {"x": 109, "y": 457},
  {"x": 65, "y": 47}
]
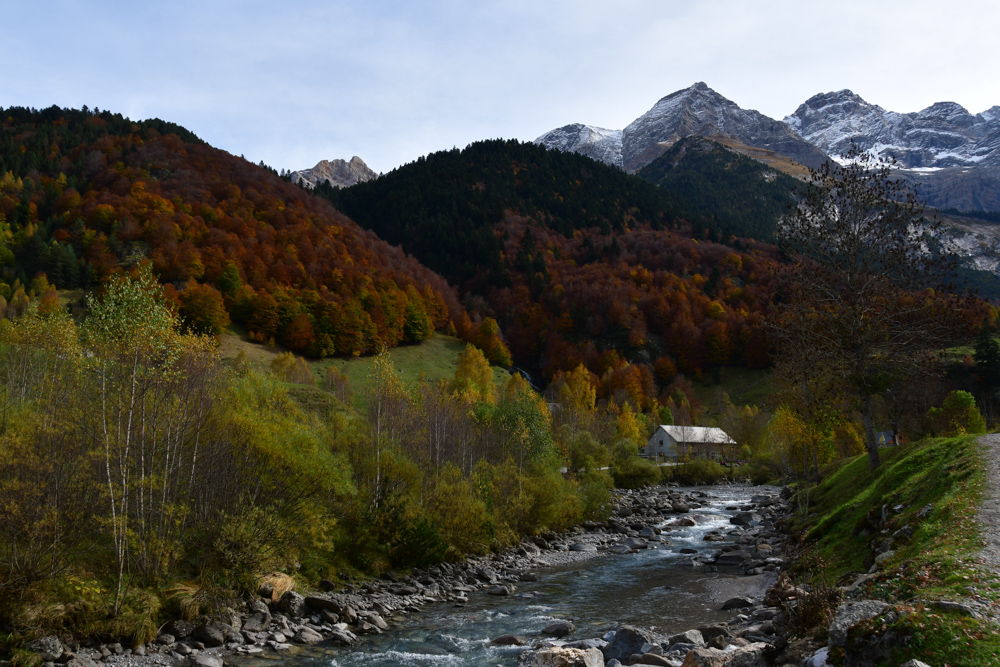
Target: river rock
[
  {"x": 620, "y": 549},
  {"x": 378, "y": 621},
  {"x": 635, "y": 543},
  {"x": 627, "y": 641},
  {"x": 652, "y": 659},
  {"x": 307, "y": 635},
  {"x": 179, "y": 629},
  {"x": 293, "y": 604},
  {"x": 204, "y": 660},
  {"x": 49, "y": 648},
  {"x": 559, "y": 628},
  {"x": 505, "y": 589},
  {"x": 751, "y": 655},
  {"x": 710, "y": 632},
  {"x": 211, "y": 633},
  {"x": 80, "y": 661},
  {"x": 319, "y": 602},
  {"x": 508, "y": 640},
  {"x": 745, "y": 519},
  {"x": 851, "y": 614},
  {"x": 582, "y": 546},
  {"x": 564, "y": 657},
  {"x": 257, "y": 622},
  {"x": 737, "y": 603},
  {"x": 343, "y": 638},
  {"x": 680, "y": 508},
  {"x": 689, "y": 637},
  {"x": 732, "y": 558}
]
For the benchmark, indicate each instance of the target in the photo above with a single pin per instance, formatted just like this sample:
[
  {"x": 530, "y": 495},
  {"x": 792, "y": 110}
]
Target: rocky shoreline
[{"x": 281, "y": 619}]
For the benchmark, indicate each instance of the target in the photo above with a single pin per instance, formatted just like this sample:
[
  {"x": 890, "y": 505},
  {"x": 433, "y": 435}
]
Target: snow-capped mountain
[
  {"x": 595, "y": 142},
  {"x": 702, "y": 111},
  {"x": 338, "y": 173},
  {"x": 696, "y": 110},
  {"x": 941, "y": 136}
]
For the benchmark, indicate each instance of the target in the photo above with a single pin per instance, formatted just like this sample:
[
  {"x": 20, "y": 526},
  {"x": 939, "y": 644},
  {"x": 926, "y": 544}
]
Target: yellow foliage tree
[
  {"x": 473, "y": 380},
  {"x": 577, "y": 394}
]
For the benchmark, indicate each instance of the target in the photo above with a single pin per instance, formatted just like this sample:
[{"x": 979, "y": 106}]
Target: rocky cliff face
[
  {"x": 952, "y": 155},
  {"x": 697, "y": 110},
  {"x": 941, "y": 136},
  {"x": 339, "y": 173}
]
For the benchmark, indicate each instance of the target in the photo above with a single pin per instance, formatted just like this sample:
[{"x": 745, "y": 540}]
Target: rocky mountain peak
[
  {"x": 595, "y": 142},
  {"x": 338, "y": 173},
  {"x": 700, "y": 110}
]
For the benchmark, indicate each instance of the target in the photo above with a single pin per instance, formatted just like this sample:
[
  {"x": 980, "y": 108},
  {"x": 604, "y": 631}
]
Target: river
[{"x": 656, "y": 588}]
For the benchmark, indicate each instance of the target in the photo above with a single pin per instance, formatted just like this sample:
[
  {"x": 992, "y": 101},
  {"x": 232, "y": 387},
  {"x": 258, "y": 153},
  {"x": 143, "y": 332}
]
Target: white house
[{"x": 672, "y": 441}]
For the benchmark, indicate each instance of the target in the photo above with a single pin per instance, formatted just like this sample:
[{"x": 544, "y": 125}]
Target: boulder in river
[
  {"x": 308, "y": 636},
  {"x": 737, "y": 603},
  {"x": 564, "y": 657},
  {"x": 508, "y": 640},
  {"x": 627, "y": 641},
  {"x": 293, "y": 604},
  {"x": 745, "y": 519},
  {"x": 751, "y": 655},
  {"x": 689, "y": 637},
  {"x": 559, "y": 628}
]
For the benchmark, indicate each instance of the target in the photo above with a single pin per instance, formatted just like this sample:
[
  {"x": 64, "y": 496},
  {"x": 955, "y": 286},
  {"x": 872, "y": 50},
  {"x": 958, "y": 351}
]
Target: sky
[{"x": 291, "y": 83}]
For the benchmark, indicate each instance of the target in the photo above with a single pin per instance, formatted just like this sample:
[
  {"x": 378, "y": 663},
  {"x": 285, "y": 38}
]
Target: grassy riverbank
[{"x": 923, "y": 498}]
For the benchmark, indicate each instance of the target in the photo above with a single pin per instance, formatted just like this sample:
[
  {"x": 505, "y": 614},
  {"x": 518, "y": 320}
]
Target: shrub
[
  {"x": 958, "y": 415},
  {"x": 635, "y": 472},
  {"x": 461, "y": 518},
  {"x": 698, "y": 472},
  {"x": 595, "y": 493},
  {"x": 757, "y": 472}
]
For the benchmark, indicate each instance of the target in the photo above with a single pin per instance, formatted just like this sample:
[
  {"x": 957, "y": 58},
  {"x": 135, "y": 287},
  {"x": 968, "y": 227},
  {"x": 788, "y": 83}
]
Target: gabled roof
[{"x": 698, "y": 434}]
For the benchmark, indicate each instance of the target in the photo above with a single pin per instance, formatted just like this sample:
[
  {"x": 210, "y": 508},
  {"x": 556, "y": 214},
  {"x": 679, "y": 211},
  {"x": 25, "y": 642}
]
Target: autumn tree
[
  {"x": 473, "y": 379},
  {"x": 865, "y": 306},
  {"x": 202, "y": 309}
]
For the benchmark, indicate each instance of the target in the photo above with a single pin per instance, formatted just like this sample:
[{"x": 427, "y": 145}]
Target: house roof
[{"x": 698, "y": 435}]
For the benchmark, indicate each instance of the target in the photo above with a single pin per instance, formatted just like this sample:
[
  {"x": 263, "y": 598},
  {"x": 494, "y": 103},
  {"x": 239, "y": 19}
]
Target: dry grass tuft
[{"x": 278, "y": 583}]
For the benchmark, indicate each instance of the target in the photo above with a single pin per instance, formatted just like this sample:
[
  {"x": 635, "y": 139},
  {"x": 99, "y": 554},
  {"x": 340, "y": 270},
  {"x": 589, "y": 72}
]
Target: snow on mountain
[
  {"x": 338, "y": 173},
  {"x": 702, "y": 111},
  {"x": 696, "y": 110},
  {"x": 595, "y": 142},
  {"x": 941, "y": 136}
]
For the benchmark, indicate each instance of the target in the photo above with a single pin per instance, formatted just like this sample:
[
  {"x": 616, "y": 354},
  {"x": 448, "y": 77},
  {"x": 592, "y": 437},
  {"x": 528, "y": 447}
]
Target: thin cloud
[{"x": 294, "y": 83}]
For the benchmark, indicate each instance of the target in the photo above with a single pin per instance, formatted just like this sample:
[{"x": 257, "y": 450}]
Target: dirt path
[{"x": 989, "y": 511}]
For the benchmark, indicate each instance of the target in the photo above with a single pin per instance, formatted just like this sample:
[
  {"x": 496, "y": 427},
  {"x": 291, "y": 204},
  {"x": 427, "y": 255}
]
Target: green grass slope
[{"x": 841, "y": 520}]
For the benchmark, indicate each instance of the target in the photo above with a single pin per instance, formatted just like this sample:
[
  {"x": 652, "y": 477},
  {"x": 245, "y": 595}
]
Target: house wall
[{"x": 660, "y": 445}]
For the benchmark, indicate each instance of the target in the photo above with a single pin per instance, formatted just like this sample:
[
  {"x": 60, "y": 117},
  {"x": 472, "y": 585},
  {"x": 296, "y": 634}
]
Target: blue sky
[{"x": 293, "y": 83}]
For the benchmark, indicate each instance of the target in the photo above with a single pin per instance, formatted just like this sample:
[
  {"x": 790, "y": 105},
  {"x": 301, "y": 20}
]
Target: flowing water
[{"x": 655, "y": 588}]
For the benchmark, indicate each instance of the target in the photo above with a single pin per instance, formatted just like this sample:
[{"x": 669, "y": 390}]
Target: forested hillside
[
  {"x": 84, "y": 193},
  {"x": 579, "y": 262},
  {"x": 738, "y": 194}
]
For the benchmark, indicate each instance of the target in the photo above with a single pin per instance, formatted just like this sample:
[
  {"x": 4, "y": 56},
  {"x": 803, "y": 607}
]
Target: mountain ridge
[
  {"x": 338, "y": 173},
  {"x": 951, "y": 155}
]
